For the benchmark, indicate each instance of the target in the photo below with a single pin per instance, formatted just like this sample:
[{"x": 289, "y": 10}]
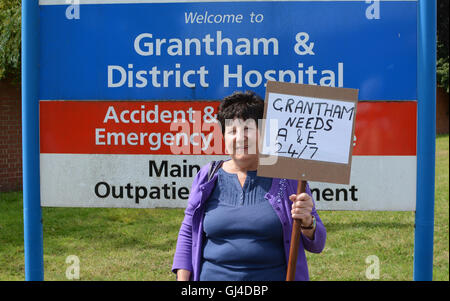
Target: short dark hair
[{"x": 243, "y": 105}]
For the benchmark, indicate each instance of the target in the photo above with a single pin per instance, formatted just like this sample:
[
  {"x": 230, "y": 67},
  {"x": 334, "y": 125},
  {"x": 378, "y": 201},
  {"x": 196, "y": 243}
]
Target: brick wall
[
  {"x": 441, "y": 111},
  {"x": 10, "y": 137}
]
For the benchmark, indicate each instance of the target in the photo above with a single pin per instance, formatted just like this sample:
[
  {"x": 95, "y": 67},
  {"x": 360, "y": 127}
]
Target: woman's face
[{"x": 241, "y": 139}]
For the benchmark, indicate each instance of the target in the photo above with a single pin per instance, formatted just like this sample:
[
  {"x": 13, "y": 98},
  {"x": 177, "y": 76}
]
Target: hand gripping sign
[{"x": 314, "y": 133}]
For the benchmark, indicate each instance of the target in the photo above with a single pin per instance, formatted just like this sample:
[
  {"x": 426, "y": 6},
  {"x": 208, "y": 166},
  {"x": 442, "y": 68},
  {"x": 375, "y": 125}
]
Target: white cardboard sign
[
  {"x": 310, "y": 128},
  {"x": 314, "y": 128}
]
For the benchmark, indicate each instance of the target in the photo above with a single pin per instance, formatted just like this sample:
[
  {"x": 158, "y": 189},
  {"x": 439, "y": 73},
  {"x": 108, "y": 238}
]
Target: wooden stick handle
[{"x": 295, "y": 239}]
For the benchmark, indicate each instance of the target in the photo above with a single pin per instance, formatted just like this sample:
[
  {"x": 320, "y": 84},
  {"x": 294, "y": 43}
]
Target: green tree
[
  {"x": 10, "y": 16},
  {"x": 442, "y": 45}
]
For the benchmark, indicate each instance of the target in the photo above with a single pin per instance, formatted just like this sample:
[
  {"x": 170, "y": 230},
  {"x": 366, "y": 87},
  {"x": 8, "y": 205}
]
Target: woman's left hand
[{"x": 301, "y": 208}]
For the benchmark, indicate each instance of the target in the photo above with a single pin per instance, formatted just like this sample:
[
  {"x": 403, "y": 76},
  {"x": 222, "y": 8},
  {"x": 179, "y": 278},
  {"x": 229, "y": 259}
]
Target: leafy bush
[
  {"x": 442, "y": 72},
  {"x": 442, "y": 47},
  {"x": 10, "y": 16}
]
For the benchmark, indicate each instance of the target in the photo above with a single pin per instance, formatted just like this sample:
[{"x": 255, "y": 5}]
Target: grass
[
  {"x": 138, "y": 244},
  {"x": 111, "y": 244}
]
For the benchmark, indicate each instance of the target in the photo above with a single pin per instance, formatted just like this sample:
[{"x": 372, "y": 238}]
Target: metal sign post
[
  {"x": 426, "y": 140},
  {"x": 32, "y": 216}
]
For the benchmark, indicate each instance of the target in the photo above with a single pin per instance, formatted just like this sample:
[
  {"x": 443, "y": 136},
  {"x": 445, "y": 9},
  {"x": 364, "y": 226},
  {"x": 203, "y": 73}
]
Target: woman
[{"x": 237, "y": 225}]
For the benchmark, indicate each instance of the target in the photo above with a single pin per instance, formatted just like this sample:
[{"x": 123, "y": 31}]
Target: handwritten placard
[{"x": 309, "y": 129}]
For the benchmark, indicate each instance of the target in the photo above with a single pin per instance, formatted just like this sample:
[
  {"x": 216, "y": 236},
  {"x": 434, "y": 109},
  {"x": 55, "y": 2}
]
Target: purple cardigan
[{"x": 190, "y": 239}]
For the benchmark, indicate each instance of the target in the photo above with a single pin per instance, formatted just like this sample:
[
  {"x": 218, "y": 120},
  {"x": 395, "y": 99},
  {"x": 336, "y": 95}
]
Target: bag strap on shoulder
[{"x": 215, "y": 165}]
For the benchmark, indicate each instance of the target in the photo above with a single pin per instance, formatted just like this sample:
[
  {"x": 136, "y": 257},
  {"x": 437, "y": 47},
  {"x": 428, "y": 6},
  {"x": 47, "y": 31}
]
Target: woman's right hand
[{"x": 183, "y": 275}]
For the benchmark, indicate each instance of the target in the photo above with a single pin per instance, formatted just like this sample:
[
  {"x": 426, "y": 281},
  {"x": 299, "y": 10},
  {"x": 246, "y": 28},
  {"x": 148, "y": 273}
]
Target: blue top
[
  {"x": 191, "y": 238},
  {"x": 243, "y": 234}
]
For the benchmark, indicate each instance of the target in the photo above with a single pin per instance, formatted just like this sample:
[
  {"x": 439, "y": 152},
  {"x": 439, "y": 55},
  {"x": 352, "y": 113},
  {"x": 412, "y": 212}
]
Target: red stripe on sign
[
  {"x": 99, "y": 127},
  {"x": 182, "y": 127},
  {"x": 385, "y": 129}
]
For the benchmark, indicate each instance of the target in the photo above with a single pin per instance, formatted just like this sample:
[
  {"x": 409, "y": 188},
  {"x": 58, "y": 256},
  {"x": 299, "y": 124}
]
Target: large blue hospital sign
[
  {"x": 191, "y": 50},
  {"x": 112, "y": 74}
]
